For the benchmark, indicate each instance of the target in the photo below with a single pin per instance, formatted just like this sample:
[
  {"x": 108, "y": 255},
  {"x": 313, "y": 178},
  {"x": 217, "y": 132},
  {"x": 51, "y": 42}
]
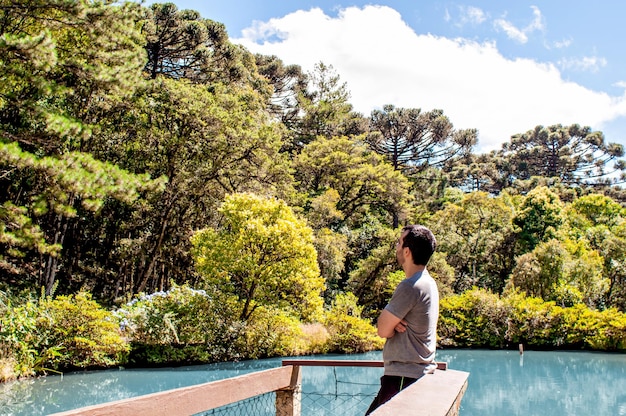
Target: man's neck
[{"x": 411, "y": 269}]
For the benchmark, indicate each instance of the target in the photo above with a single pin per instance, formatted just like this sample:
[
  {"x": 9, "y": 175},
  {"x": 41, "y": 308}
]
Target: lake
[{"x": 500, "y": 383}]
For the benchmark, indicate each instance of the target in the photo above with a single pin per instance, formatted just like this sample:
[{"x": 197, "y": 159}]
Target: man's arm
[{"x": 389, "y": 324}]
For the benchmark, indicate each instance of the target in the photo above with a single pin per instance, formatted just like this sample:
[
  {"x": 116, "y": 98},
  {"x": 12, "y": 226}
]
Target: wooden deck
[{"x": 437, "y": 394}]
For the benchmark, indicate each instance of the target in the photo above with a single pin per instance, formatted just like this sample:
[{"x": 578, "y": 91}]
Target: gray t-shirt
[{"x": 412, "y": 353}]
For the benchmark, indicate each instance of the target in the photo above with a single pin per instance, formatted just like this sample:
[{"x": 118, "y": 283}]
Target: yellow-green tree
[
  {"x": 363, "y": 180},
  {"x": 539, "y": 218},
  {"x": 564, "y": 271},
  {"x": 263, "y": 255},
  {"x": 477, "y": 234},
  {"x": 598, "y": 221}
]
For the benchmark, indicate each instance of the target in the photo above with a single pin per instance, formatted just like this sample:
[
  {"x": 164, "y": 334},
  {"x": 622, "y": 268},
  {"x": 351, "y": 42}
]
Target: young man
[{"x": 409, "y": 321}]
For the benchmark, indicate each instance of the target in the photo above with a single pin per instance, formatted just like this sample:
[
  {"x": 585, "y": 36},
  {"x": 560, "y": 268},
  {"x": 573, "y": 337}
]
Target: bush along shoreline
[
  {"x": 184, "y": 326},
  {"x": 480, "y": 319}
]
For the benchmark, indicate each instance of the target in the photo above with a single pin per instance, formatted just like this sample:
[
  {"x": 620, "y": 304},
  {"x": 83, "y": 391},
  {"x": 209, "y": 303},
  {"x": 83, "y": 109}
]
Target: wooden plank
[
  {"x": 437, "y": 394},
  {"x": 346, "y": 363},
  {"x": 334, "y": 363},
  {"x": 193, "y": 399}
]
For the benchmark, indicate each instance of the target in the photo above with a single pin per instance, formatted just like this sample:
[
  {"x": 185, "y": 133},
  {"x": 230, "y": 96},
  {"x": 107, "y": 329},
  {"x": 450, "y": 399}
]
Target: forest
[{"x": 169, "y": 197}]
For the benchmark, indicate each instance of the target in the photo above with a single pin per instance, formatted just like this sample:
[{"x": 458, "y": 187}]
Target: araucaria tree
[
  {"x": 413, "y": 140},
  {"x": 576, "y": 155}
]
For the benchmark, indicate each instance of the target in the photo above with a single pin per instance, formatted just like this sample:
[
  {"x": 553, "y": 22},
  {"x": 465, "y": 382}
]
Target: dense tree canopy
[{"x": 124, "y": 128}]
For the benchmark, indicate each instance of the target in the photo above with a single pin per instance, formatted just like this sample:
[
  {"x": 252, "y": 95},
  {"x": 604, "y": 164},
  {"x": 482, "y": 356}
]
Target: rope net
[{"x": 326, "y": 391}]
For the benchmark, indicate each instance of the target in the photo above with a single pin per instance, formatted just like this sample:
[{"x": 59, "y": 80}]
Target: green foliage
[
  {"x": 365, "y": 183},
  {"x": 273, "y": 332},
  {"x": 324, "y": 109},
  {"x": 68, "y": 332},
  {"x": 181, "y": 325},
  {"x": 80, "y": 333},
  {"x": 566, "y": 272},
  {"x": 64, "y": 64},
  {"x": 348, "y": 331},
  {"x": 185, "y": 325},
  {"x": 576, "y": 155},
  {"x": 476, "y": 233},
  {"x": 263, "y": 254},
  {"x": 479, "y": 318},
  {"x": 442, "y": 272},
  {"x": 539, "y": 218},
  {"x": 208, "y": 143},
  {"x": 331, "y": 250},
  {"x": 413, "y": 140},
  {"x": 373, "y": 275}
]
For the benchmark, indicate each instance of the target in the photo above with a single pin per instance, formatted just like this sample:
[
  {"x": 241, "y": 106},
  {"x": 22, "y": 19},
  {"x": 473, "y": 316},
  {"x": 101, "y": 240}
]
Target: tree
[
  {"x": 181, "y": 44},
  {"x": 477, "y": 236},
  {"x": 262, "y": 254},
  {"x": 323, "y": 109},
  {"x": 287, "y": 82},
  {"x": 577, "y": 155},
  {"x": 207, "y": 143},
  {"x": 413, "y": 140},
  {"x": 599, "y": 222},
  {"x": 539, "y": 218},
  {"x": 565, "y": 272},
  {"x": 365, "y": 182},
  {"x": 488, "y": 172},
  {"x": 63, "y": 63}
]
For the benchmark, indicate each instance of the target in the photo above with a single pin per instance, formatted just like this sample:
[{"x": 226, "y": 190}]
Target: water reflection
[
  {"x": 500, "y": 383},
  {"x": 553, "y": 383}
]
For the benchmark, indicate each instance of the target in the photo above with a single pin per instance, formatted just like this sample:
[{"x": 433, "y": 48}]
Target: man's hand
[
  {"x": 389, "y": 324},
  {"x": 401, "y": 326}
]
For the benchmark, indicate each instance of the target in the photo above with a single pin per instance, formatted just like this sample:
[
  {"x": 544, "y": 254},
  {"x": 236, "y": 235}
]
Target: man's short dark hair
[{"x": 421, "y": 241}]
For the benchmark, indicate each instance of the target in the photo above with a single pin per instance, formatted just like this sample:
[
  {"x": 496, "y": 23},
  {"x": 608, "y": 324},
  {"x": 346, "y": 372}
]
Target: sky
[{"x": 501, "y": 67}]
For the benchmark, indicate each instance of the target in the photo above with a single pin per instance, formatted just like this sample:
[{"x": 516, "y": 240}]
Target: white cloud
[
  {"x": 565, "y": 43},
  {"x": 586, "y": 64},
  {"x": 537, "y": 23},
  {"x": 521, "y": 35},
  {"x": 510, "y": 30},
  {"x": 383, "y": 61},
  {"x": 472, "y": 15}
]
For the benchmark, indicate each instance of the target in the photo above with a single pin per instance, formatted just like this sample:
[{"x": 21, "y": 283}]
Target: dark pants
[{"x": 389, "y": 387}]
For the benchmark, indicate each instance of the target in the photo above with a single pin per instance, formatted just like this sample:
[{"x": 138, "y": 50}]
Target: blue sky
[{"x": 502, "y": 67}]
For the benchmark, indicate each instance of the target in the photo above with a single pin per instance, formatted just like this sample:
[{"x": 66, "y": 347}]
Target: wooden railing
[
  {"x": 202, "y": 397},
  {"x": 438, "y": 394}
]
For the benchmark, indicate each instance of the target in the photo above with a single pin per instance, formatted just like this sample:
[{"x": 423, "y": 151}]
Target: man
[{"x": 409, "y": 321}]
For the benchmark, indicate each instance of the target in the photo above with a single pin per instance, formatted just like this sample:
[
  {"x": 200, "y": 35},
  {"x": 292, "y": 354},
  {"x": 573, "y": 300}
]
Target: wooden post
[{"x": 289, "y": 399}]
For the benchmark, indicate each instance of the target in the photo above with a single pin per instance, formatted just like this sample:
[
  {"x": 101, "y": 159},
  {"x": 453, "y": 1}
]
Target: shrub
[
  {"x": 272, "y": 332},
  {"x": 182, "y": 325},
  {"x": 349, "y": 333},
  {"x": 75, "y": 332},
  {"x": 16, "y": 328},
  {"x": 535, "y": 323},
  {"x": 68, "y": 332},
  {"x": 315, "y": 338},
  {"x": 476, "y": 318}
]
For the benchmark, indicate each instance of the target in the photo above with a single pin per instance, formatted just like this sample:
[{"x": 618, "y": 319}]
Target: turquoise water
[{"x": 501, "y": 383}]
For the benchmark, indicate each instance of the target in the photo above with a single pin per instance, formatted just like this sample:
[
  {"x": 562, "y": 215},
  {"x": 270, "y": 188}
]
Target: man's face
[{"x": 400, "y": 256}]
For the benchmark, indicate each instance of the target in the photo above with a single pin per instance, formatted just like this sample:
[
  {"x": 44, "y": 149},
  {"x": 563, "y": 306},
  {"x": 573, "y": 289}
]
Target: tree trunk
[{"x": 53, "y": 261}]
